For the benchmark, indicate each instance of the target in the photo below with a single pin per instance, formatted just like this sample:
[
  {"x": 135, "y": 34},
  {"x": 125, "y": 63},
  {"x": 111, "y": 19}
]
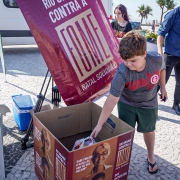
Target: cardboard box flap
[
  {"x": 96, "y": 111},
  {"x": 46, "y": 107},
  {"x": 67, "y": 121},
  {"x": 112, "y": 127}
]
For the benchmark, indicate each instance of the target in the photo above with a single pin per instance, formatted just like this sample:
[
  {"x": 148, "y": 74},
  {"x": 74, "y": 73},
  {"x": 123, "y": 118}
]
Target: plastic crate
[{"x": 21, "y": 106}]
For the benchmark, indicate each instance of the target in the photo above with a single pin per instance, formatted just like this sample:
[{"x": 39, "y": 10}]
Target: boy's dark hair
[
  {"x": 132, "y": 44},
  {"x": 99, "y": 175}
]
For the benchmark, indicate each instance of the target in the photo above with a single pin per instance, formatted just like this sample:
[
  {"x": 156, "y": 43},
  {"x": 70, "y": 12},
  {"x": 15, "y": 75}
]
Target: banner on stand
[{"x": 77, "y": 43}]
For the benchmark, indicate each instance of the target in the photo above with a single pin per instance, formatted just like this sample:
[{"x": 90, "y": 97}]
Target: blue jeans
[{"x": 173, "y": 62}]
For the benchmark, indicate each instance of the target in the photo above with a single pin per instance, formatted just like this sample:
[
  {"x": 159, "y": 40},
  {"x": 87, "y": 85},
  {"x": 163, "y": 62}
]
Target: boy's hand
[
  {"x": 163, "y": 95},
  {"x": 96, "y": 131}
]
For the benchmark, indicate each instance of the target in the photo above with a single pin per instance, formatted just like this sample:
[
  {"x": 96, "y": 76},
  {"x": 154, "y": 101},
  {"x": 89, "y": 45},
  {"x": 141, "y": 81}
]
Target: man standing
[
  {"x": 170, "y": 32},
  {"x": 153, "y": 26}
]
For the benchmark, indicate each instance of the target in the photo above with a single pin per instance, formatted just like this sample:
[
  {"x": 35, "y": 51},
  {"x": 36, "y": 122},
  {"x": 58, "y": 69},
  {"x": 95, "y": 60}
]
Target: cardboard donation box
[
  {"x": 77, "y": 43},
  {"x": 56, "y": 131}
]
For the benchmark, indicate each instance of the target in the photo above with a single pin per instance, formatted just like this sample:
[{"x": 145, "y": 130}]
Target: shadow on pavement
[
  {"x": 138, "y": 166},
  {"x": 167, "y": 119},
  {"x": 13, "y": 152},
  {"x": 31, "y": 93},
  {"x": 25, "y": 61},
  {"x": 166, "y": 108}
]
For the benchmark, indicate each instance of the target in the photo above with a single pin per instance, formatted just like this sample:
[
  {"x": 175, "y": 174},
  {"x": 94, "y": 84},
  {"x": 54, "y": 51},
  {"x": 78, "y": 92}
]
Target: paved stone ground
[{"x": 25, "y": 73}]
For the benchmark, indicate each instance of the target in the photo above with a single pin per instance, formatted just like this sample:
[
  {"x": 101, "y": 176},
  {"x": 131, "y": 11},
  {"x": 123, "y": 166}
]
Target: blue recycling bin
[{"x": 21, "y": 106}]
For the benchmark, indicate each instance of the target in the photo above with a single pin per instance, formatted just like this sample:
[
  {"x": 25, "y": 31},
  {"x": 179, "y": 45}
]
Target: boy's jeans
[{"x": 173, "y": 62}]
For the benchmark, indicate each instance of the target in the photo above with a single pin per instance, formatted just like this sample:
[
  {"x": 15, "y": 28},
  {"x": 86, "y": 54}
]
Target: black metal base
[
  {"x": 56, "y": 97},
  {"x": 24, "y": 146}
]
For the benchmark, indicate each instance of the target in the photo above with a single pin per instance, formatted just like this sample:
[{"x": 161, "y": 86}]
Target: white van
[{"x": 13, "y": 24}]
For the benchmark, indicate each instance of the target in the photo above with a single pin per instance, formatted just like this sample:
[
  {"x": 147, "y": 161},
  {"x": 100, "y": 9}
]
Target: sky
[{"x": 132, "y": 7}]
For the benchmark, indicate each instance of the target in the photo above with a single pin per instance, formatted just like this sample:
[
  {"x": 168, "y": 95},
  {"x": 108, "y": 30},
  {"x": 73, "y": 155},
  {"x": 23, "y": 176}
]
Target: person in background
[
  {"x": 121, "y": 25},
  {"x": 170, "y": 32},
  {"x": 134, "y": 88},
  {"x": 153, "y": 26}
]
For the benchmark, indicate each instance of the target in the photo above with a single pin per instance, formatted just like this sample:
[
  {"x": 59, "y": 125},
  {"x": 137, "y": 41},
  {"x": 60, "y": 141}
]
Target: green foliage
[
  {"x": 151, "y": 35},
  {"x": 165, "y": 6},
  {"x": 168, "y": 4},
  {"x": 144, "y": 11}
]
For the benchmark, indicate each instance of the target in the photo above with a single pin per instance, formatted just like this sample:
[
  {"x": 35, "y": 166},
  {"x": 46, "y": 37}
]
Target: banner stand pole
[
  {"x": 56, "y": 99},
  {"x": 2, "y": 58}
]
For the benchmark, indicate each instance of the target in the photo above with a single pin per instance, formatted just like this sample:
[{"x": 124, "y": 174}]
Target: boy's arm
[
  {"x": 162, "y": 82},
  {"x": 117, "y": 86},
  {"x": 160, "y": 41},
  {"x": 110, "y": 103}
]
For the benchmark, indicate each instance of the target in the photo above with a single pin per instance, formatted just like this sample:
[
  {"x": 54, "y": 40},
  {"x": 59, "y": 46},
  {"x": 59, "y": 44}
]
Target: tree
[
  {"x": 165, "y": 6},
  {"x": 144, "y": 11}
]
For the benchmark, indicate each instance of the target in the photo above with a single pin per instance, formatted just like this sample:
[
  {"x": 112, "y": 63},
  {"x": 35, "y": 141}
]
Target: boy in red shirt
[{"x": 134, "y": 88}]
